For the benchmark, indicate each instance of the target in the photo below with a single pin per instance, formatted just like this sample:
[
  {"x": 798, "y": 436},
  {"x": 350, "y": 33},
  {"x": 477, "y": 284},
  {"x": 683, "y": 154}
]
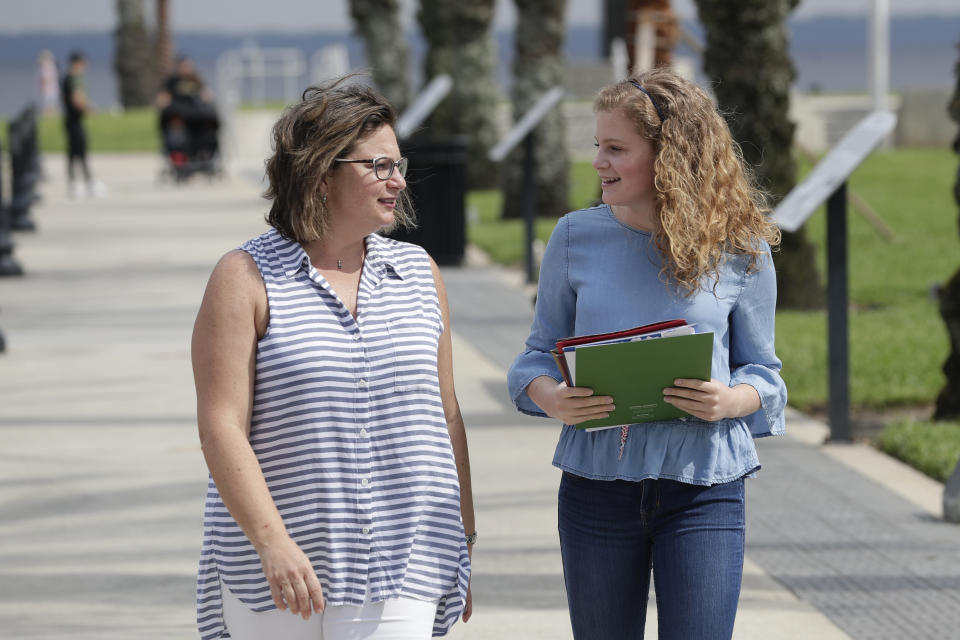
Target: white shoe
[
  {"x": 97, "y": 189},
  {"x": 77, "y": 190}
]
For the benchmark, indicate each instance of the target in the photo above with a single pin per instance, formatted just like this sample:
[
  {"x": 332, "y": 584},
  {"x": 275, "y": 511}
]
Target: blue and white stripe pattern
[{"x": 348, "y": 426}]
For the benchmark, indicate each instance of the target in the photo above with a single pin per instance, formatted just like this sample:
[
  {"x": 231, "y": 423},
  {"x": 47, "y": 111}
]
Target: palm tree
[
  {"x": 538, "y": 67},
  {"x": 164, "y": 42},
  {"x": 748, "y": 59},
  {"x": 948, "y": 402},
  {"x": 665, "y": 29},
  {"x": 378, "y": 23},
  {"x": 460, "y": 45},
  {"x": 132, "y": 55}
]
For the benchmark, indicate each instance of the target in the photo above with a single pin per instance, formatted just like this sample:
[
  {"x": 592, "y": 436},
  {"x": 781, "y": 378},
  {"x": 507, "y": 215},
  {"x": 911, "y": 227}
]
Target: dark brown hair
[{"x": 327, "y": 123}]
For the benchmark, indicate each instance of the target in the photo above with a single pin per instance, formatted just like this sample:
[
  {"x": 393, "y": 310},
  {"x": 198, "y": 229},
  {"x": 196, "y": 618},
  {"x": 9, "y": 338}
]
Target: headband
[{"x": 652, "y": 101}]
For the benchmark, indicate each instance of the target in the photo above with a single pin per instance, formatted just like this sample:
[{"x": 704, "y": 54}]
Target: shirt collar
[
  {"x": 291, "y": 254},
  {"x": 382, "y": 256}
]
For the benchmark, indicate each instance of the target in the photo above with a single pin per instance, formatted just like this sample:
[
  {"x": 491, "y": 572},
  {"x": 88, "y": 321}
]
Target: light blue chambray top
[{"x": 601, "y": 275}]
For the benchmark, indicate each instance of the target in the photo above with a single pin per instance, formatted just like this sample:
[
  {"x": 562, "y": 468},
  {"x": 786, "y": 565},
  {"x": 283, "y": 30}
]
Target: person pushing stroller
[{"x": 188, "y": 121}]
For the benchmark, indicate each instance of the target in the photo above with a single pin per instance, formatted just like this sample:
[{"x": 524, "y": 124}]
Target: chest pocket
[{"x": 414, "y": 340}]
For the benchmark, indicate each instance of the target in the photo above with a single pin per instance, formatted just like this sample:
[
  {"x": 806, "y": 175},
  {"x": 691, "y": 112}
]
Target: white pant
[{"x": 395, "y": 619}]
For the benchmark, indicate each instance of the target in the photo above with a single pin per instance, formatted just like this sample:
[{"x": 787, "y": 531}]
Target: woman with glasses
[
  {"x": 682, "y": 233},
  {"x": 339, "y": 503}
]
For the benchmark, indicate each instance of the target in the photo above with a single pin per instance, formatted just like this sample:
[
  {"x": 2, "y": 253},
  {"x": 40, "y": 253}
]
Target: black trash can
[{"x": 437, "y": 185}]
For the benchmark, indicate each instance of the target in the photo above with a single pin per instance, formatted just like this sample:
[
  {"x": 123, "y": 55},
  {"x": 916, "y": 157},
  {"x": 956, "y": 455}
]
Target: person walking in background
[
  {"x": 681, "y": 233},
  {"x": 75, "y": 107},
  {"x": 48, "y": 82},
  {"x": 339, "y": 472}
]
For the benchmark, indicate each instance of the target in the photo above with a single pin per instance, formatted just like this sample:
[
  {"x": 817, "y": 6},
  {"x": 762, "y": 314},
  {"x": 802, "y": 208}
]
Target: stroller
[{"x": 191, "y": 145}]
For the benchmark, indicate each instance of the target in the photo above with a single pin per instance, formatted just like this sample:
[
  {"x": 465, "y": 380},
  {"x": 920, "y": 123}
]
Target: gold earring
[{"x": 323, "y": 199}]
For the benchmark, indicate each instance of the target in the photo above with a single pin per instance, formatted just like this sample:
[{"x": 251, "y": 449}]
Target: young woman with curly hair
[{"x": 682, "y": 232}]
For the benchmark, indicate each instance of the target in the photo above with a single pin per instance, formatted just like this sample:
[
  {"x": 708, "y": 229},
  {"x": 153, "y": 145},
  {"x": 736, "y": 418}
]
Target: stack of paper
[{"x": 634, "y": 366}]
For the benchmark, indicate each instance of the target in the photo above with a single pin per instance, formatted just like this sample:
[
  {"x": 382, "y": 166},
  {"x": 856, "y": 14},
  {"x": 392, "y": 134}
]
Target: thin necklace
[{"x": 363, "y": 255}]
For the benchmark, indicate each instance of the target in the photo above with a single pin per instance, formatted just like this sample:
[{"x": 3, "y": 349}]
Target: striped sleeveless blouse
[{"x": 349, "y": 429}]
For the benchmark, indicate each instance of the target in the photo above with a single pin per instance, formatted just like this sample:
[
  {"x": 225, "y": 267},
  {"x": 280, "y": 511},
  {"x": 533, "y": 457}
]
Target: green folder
[{"x": 636, "y": 373}]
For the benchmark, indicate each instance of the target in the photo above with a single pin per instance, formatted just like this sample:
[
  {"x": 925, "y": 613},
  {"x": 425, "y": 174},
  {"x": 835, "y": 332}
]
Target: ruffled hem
[{"x": 693, "y": 452}]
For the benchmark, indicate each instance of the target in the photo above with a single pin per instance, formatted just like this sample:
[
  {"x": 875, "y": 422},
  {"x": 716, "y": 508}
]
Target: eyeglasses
[{"x": 382, "y": 166}]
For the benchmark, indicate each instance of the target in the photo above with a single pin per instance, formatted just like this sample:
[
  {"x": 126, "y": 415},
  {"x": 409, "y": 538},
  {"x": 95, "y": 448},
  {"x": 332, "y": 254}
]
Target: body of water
[{"x": 829, "y": 55}]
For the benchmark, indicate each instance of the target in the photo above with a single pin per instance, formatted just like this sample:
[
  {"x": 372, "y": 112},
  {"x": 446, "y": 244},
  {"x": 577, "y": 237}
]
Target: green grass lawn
[
  {"x": 932, "y": 448},
  {"x": 898, "y": 342},
  {"x": 504, "y": 240},
  {"x": 130, "y": 130},
  {"x": 114, "y": 131}
]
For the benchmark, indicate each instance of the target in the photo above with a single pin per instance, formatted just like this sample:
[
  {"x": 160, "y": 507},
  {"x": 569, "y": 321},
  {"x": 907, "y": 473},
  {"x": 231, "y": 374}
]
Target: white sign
[
  {"x": 529, "y": 120},
  {"x": 423, "y": 105},
  {"x": 833, "y": 170}
]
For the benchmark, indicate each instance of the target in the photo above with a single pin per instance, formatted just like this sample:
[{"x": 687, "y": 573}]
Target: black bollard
[
  {"x": 436, "y": 182},
  {"x": 33, "y": 148},
  {"x": 8, "y": 266},
  {"x": 24, "y": 163}
]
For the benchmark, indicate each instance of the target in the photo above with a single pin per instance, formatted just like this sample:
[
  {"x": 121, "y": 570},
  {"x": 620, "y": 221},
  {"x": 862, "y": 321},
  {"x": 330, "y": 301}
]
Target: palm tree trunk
[
  {"x": 460, "y": 45},
  {"x": 665, "y": 30},
  {"x": 164, "y": 42},
  {"x": 132, "y": 62},
  {"x": 378, "y": 23},
  {"x": 747, "y": 57},
  {"x": 537, "y": 68},
  {"x": 948, "y": 402}
]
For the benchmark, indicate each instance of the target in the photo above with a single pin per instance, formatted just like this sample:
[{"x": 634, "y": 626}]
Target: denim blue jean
[{"x": 613, "y": 533}]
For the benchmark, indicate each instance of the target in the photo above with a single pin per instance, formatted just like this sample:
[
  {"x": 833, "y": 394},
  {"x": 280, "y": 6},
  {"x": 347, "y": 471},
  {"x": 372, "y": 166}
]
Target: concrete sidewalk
[{"x": 102, "y": 480}]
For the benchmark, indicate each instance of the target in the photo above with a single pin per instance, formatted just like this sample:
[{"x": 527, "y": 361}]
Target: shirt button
[
  {"x": 363, "y": 433},
  {"x": 365, "y": 530},
  {"x": 361, "y": 383},
  {"x": 364, "y": 482}
]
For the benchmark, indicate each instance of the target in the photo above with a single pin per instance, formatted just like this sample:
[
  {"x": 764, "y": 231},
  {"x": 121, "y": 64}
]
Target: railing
[
  {"x": 523, "y": 131},
  {"x": 24, "y": 175},
  {"x": 423, "y": 105},
  {"x": 242, "y": 74},
  {"x": 828, "y": 182}
]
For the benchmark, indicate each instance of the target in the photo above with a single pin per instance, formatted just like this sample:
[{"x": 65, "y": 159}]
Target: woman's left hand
[
  {"x": 712, "y": 400},
  {"x": 468, "y": 605}
]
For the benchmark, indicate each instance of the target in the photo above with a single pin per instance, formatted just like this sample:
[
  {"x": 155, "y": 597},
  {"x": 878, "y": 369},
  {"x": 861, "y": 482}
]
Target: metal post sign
[
  {"x": 526, "y": 124},
  {"x": 833, "y": 170},
  {"x": 423, "y": 105},
  {"x": 828, "y": 181},
  {"x": 523, "y": 131}
]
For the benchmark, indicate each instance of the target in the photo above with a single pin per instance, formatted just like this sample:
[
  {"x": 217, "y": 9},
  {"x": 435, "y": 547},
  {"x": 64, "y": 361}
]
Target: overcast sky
[{"x": 332, "y": 15}]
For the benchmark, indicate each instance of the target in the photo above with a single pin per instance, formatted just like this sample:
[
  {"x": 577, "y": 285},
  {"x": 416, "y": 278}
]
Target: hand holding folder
[{"x": 634, "y": 366}]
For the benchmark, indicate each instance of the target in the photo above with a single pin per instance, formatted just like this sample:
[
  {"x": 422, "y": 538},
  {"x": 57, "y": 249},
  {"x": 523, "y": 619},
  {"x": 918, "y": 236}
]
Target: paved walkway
[{"x": 102, "y": 480}]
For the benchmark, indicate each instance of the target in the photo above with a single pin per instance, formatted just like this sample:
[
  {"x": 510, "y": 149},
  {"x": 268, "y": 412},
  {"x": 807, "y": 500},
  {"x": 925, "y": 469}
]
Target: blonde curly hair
[{"x": 707, "y": 203}]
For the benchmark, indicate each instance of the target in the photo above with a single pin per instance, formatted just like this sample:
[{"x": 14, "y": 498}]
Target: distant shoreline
[{"x": 829, "y": 55}]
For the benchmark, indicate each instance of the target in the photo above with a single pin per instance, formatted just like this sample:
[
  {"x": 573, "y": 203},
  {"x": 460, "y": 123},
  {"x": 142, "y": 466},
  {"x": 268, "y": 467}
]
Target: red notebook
[
  {"x": 625, "y": 333},
  {"x": 565, "y": 343}
]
